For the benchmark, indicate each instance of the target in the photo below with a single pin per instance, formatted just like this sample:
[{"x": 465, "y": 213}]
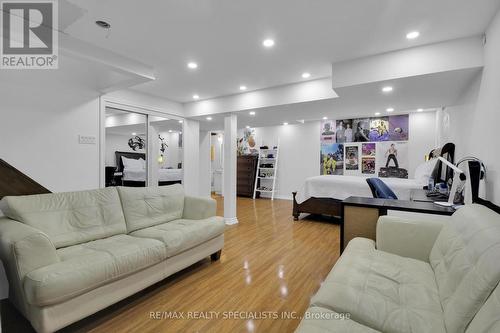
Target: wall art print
[
  {"x": 351, "y": 157},
  {"x": 332, "y": 159}
]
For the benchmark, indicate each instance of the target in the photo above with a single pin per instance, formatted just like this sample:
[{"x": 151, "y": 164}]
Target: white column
[
  {"x": 191, "y": 160},
  {"x": 230, "y": 133},
  {"x": 205, "y": 164}
]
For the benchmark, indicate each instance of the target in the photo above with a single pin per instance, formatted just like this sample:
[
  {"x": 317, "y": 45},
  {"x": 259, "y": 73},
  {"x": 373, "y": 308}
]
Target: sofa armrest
[
  {"x": 197, "y": 208},
  {"x": 24, "y": 247},
  {"x": 406, "y": 237}
]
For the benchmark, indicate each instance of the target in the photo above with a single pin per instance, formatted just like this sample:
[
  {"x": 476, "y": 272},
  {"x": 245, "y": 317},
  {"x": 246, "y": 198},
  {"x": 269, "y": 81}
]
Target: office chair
[{"x": 380, "y": 189}]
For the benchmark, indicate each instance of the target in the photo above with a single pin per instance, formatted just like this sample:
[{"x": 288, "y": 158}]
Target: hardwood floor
[{"x": 270, "y": 265}]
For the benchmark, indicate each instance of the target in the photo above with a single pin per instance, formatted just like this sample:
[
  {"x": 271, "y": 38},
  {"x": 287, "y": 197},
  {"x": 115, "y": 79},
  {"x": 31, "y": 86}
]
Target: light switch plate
[{"x": 86, "y": 140}]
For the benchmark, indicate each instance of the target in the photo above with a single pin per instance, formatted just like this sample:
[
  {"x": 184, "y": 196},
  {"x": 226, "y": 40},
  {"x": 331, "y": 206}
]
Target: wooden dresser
[{"x": 246, "y": 169}]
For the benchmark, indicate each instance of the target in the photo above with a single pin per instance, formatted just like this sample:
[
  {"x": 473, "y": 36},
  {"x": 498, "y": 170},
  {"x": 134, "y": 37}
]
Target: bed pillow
[
  {"x": 132, "y": 164},
  {"x": 424, "y": 171}
]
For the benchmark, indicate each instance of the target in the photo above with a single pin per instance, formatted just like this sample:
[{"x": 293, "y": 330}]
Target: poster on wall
[
  {"x": 398, "y": 128},
  {"x": 352, "y": 158},
  {"x": 379, "y": 129},
  {"x": 332, "y": 159},
  {"x": 368, "y": 149},
  {"x": 392, "y": 159},
  {"x": 368, "y": 165},
  {"x": 327, "y": 132},
  {"x": 344, "y": 131},
  {"x": 361, "y": 128}
]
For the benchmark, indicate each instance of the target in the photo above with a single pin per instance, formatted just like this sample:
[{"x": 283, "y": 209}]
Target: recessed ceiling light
[
  {"x": 387, "y": 89},
  {"x": 412, "y": 34},
  {"x": 377, "y": 113},
  {"x": 284, "y": 124},
  {"x": 252, "y": 113},
  {"x": 243, "y": 88},
  {"x": 196, "y": 97},
  {"x": 169, "y": 131},
  {"x": 103, "y": 24},
  {"x": 209, "y": 118},
  {"x": 247, "y": 126},
  {"x": 420, "y": 110},
  {"x": 389, "y": 109},
  {"x": 325, "y": 118},
  {"x": 268, "y": 43},
  {"x": 192, "y": 65},
  {"x": 134, "y": 133},
  {"x": 306, "y": 75},
  {"x": 180, "y": 121}
]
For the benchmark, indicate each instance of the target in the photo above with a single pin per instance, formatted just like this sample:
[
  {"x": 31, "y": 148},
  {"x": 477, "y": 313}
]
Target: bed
[
  {"x": 136, "y": 177},
  {"x": 324, "y": 194}
]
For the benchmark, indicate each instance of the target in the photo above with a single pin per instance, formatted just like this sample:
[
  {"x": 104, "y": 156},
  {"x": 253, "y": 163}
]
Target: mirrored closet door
[{"x": 126, "y": 138}]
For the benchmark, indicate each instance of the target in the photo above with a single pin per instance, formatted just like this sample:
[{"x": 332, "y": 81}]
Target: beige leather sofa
[
  {"x": 418, "y": 277},
  {"x": 68, "y": 255}
]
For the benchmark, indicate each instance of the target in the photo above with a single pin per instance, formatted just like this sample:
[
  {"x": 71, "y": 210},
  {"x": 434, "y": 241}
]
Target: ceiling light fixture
[
  {"x": 268, "y": 43},
  {"x": 252, "y": 113},
  {"x": 192, "y": 65},
  {"x": 169, "y": 131},
  {"x": 325, "y": 118},
  {"x": 134, "y": 133},
  {"x": 284, "y": 124},
  {"x": 247, "y": 126},
  {"x": 389, "y": 109},
  {"x": 420, "y": 110},
  {"x": 196, "y": 97},
  {"x": 103, "y": 24},
  {"x": 306, "y": 75},
  {"x": 377, "y": 113},
  {"x": 209, "y": 118},
  {"x": 243, "y": 88},
  {"x": 180, "y": 121},
  {"x": 387, "y": 89},
  {"x": 412, "y": 35}
]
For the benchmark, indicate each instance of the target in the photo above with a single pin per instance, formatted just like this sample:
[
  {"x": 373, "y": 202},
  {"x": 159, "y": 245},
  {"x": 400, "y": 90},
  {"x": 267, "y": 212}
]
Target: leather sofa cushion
[
  {"x": 148, "y": 206},
  {"x": 69, "y": 218},
  {"x": 321, "y": 320},
  {"x": 383, "y": 291},
  {"x": 465, "y": 259},
  {"x": 87, "y": 266},
  {"x": 181, "y": 235},
  {"x": 487, "y": 319}
]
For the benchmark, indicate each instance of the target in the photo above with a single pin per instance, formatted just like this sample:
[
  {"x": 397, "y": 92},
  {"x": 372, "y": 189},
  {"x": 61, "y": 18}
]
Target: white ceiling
[
  {"x": 411, "y": 93},
  {"x": 224, "y": 36}
]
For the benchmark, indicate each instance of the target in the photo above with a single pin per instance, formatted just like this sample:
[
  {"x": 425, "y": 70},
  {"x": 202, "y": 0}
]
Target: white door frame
[{"x": 104, "y": 102}]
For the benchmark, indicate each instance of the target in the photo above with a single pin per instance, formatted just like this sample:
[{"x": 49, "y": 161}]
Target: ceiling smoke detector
[{"x": 103, "y": 24}]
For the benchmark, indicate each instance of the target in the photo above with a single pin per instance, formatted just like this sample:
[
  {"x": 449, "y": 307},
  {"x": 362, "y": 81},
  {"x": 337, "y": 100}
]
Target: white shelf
[{"x": 263, "y": 159}]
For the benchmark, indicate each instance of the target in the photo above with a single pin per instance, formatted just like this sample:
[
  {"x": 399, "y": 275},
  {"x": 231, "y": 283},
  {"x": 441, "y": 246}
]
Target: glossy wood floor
[{"x": 270, "y": 265}]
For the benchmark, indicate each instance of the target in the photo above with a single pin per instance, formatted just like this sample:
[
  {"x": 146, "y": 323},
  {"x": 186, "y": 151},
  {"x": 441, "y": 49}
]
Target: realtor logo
[{"x": 29, "y": 35}]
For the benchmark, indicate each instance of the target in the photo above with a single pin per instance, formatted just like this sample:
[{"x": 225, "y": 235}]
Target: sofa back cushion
[
  {"x": 148, "y": 206},
  {"x": 69, "y": 218},
  {"x": 465, "y": 263}
]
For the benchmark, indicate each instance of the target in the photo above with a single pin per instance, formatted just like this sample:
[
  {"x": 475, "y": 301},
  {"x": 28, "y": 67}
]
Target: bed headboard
[{"x": 127, "y": 154}]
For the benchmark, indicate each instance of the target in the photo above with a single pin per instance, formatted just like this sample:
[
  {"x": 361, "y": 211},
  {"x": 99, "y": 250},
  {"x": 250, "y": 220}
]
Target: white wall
[
  {"x": 300, "y": 149},
  {"x": 40, "y": 121},
  {"x": 191, "y": 144},
  {"x": 299, "y": 154},
  {"x": 475, "y": 127}
]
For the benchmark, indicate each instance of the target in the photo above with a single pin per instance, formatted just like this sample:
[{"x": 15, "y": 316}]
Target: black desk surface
[{"x": 402, "y": 205}]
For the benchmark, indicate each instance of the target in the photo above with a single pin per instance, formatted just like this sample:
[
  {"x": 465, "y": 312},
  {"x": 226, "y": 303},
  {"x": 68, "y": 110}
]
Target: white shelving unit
[{"x": 267, "y": 183}]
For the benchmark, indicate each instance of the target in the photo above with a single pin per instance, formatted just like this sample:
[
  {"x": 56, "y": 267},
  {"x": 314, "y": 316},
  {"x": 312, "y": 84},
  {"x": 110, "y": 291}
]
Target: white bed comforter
[
  {"x": 164, "y": 175},
  {"x": 342, "y": 187}
]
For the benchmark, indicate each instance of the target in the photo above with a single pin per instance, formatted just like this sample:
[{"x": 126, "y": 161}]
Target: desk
[{"x": 360, "y": 215}]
